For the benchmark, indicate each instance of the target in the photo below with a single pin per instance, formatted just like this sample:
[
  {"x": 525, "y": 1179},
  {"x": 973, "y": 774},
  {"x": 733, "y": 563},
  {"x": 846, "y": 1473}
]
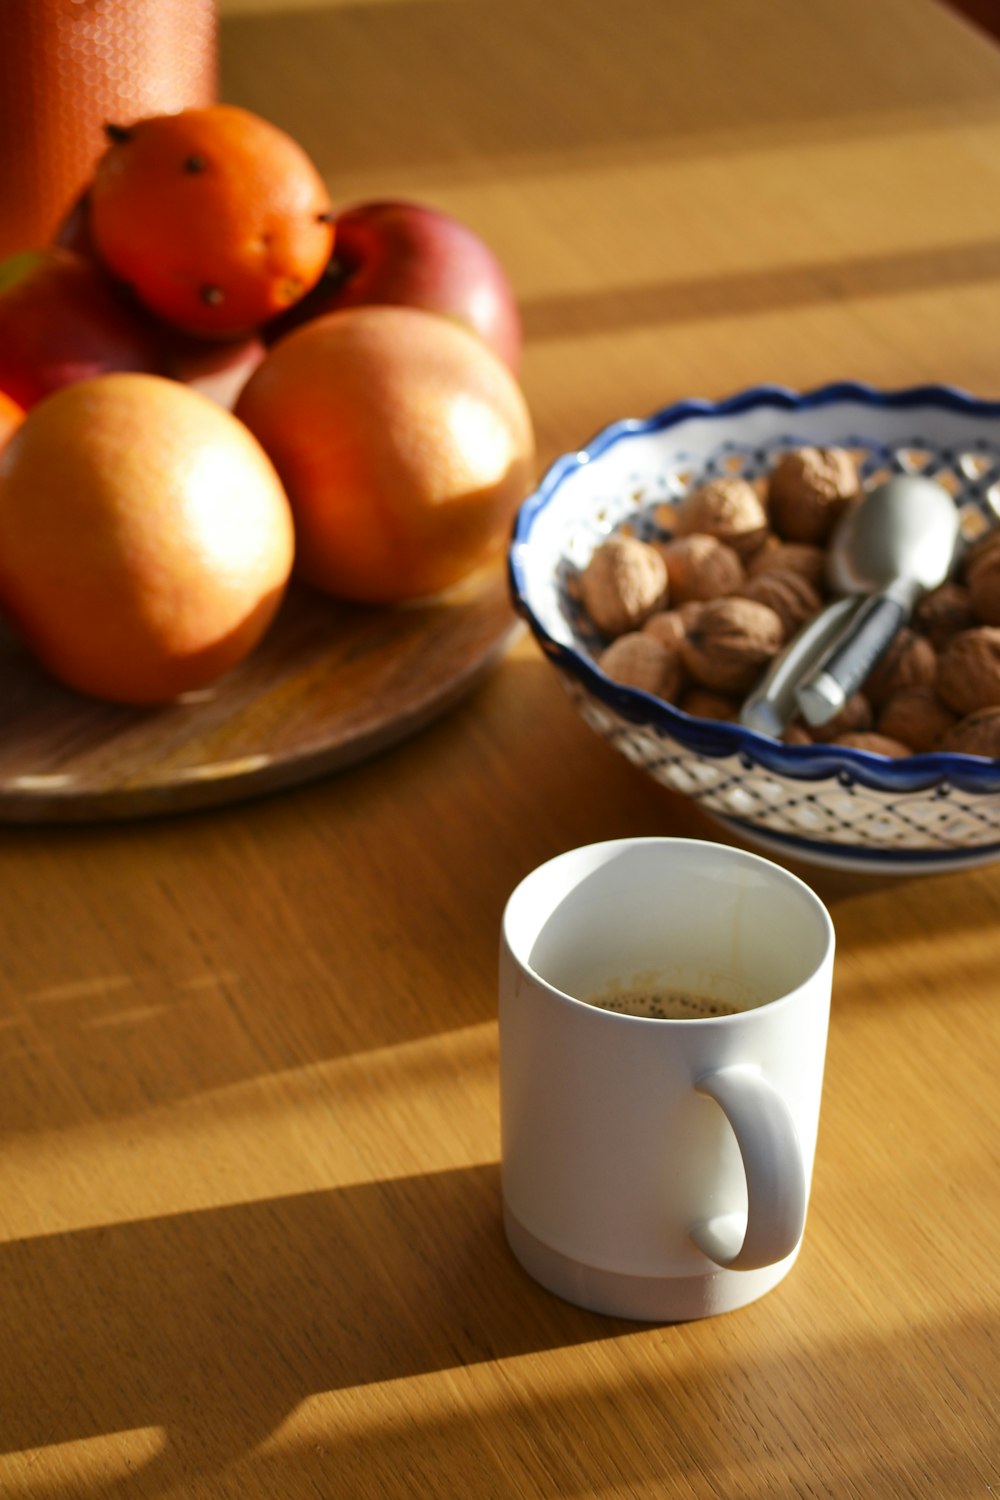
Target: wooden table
[{"x": 250, "y": 1240}]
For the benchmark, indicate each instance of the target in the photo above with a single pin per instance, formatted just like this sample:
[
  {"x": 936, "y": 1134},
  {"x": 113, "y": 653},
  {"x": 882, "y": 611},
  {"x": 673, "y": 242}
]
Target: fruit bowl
[{"x": 827, "y": 804}]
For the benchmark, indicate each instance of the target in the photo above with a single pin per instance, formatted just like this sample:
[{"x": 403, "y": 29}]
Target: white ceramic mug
[{"x": 660, "y": 1169}]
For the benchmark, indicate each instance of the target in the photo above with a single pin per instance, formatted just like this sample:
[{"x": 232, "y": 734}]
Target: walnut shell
[
  {"x": 624, "y": 581},
  {"x": 797, "y": 734},
  {"x": 777, "y": 556},
  {"x": 729, "y": 644},
  {"x": 878, "y": 744},
  {"x": 728, "y": 508},
  {"x": 640, "y": 661},
  {"x": 702, "y": 703},
  {"x": 790, "y": 595},
  {"x": 910, "y": 659},
  {"x": 977, "y": 550},
  {"x": 809, "y": 490},
  {"x": 917, "y": 716},
  {"x": 943, "y": 613},
  {"x": 669, "y": 626},
  {"x": 968, "y": 674},
  {"x": 700, "y": 567},
  {"x": 984, "y": 587},
  {"x": 976, "y": 734},
  {"x": 689, "y": 611},
  {"x": 856, "y": 717}
]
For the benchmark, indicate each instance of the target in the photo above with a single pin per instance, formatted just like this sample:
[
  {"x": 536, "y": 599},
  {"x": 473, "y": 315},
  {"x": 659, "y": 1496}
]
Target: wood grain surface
[{"x": 250, "y": 1238}]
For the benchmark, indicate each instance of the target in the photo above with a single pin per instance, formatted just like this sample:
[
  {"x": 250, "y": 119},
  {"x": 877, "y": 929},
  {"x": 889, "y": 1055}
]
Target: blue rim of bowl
[{"x": 715, "y": 738}]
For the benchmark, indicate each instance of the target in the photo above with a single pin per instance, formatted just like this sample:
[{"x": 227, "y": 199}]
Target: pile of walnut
[{"x": 696, "y": 620}]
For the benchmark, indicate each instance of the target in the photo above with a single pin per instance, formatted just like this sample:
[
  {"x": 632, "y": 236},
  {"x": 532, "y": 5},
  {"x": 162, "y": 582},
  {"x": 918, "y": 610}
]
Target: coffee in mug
[{"x": 660, "y": 1001}]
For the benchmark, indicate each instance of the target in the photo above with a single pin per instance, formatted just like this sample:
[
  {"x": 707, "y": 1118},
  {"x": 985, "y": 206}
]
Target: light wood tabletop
[{"x": 250, "y": 1235}]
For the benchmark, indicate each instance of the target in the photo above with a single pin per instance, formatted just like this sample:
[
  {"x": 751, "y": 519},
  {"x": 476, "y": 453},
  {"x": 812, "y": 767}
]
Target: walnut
[
  {"x": 689, "y": 611},
  {"x": 700, "y": 567},
  {"x": 979, "y": 549},
  {"x": 910, "y": 659},
  {"x": 702, "y": 703},
  {"x": 728, "y": 508},
  {"x": 984, "y": 587},
  {"x": 856, "y": 717},
  {"x": 777, "y": 556},
  {"x": 624, "y": 581},
  {"x": 976, "y": 734},
  {"x": 968, "y": 674},
  {"x": 877, "y": 744},
  {"x": 796, "y": 734},
  {"x": 809, "y": 490},
  {"x": 792, "y": 597},
  {"x": 669, "y": 626},
  {"x": 917, "y": 716},
  {"x": 730, "y": 642},
  {"x": 640, "y": 661},
  {"x": 943, "y": 612}
]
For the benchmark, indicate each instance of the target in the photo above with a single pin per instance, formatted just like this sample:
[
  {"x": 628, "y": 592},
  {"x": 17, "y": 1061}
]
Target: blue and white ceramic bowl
[{"x": 827, "y": 804}]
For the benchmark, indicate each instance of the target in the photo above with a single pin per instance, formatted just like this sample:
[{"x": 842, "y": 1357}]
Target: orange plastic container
[{"x": 69, "y": 66}]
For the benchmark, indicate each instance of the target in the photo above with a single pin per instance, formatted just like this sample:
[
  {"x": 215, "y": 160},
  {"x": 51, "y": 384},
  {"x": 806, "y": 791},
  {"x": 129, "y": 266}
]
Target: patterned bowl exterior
[{"x": 824, "y": 803}]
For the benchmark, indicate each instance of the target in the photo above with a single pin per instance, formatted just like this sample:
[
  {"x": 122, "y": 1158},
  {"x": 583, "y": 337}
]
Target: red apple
[
  {"x": 410, "y": 255},
  {"x": 218, "y": 368},
  {"x": 63, "y": 320}
]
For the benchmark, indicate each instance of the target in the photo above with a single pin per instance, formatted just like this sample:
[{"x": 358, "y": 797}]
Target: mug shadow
[{"x": 223, "y": 1321}]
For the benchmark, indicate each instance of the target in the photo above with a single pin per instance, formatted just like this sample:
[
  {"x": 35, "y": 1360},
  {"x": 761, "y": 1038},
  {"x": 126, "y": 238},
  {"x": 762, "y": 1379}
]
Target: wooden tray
[{"x": 330, "y": 685}]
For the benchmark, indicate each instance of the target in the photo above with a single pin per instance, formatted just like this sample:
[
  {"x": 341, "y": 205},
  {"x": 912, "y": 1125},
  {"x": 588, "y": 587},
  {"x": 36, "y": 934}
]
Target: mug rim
[{"x": 730, "y": 852}]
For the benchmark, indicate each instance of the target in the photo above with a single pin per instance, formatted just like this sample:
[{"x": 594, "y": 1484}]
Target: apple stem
[{"x": 117, "y": 134}]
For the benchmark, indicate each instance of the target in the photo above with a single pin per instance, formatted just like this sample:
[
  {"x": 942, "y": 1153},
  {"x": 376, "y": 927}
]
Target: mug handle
[{"x": 776, "y": 1178}]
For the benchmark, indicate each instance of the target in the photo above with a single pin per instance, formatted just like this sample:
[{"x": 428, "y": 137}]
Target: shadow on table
[
  {"x": 214, "y": 1326},
  {"x": 751, "y": 293}
]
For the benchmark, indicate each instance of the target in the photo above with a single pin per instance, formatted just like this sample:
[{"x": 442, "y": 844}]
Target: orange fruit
[
  {"x": 11, "y": 417},
  {"x": 216, "y": 218},
  {"x": 404, "y": 443},
  {"x": 145, "y": 538}
]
